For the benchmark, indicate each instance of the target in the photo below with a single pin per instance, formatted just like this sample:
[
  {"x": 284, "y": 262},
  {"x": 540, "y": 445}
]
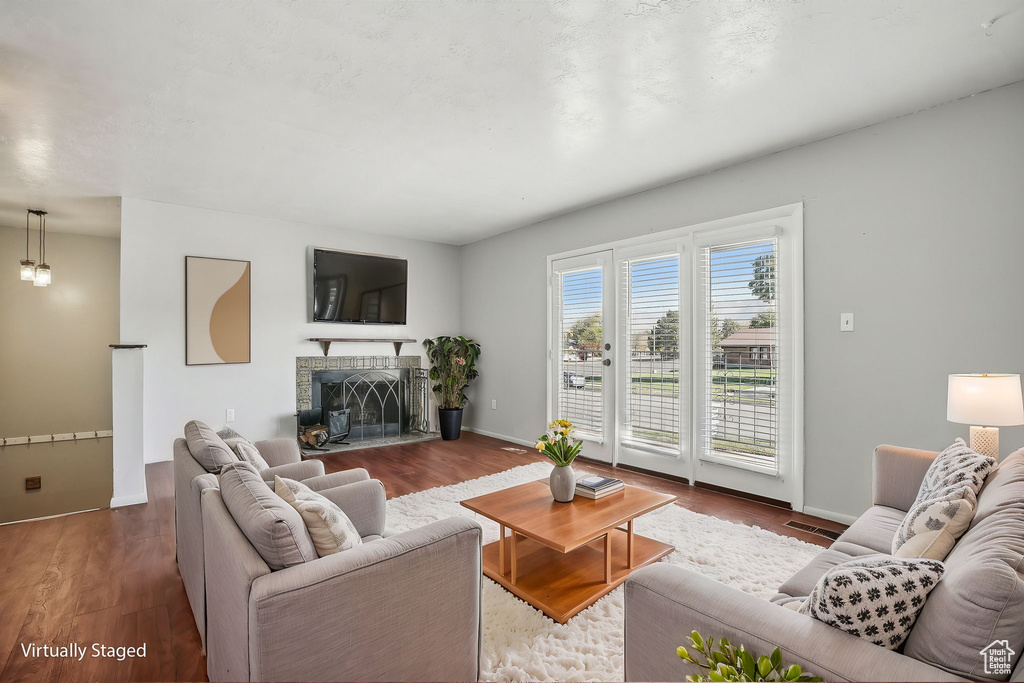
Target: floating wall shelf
[{"x": 325, "y": 342}]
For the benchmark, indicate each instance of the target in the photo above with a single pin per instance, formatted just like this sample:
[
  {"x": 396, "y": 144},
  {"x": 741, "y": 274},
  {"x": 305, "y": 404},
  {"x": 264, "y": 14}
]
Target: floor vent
[{"x": 817, "y": 530}]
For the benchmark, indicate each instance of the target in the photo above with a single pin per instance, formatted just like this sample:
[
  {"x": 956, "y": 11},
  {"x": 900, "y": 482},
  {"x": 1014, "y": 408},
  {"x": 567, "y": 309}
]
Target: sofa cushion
[
  {"x": 875, "y": 598},
  {"x": 273, "y": 527},
  {"x": 329, "y": 527},
  {"x": 207, "y": 448},
  {"x": 800, "y": 584},
  {"x": 875, "y": 529},
  {"x": 983, "y": 586},
  {"x": 931, "y": 527},
  {"x": 955, "y": 467}
]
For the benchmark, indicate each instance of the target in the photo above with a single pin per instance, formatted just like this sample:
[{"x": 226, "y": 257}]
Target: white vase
[{"x": 563, "y": 483}]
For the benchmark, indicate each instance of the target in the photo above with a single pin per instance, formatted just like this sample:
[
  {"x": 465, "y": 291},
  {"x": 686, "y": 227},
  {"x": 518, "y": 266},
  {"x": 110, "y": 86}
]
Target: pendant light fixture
[
  {"x": 42, "y": 270},
  {"x": 28, "y": 266}
]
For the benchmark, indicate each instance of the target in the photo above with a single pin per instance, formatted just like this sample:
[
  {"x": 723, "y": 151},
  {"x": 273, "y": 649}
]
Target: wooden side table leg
[
  {"x": 501, "y": 549},
  {"x": 629, "y": 542},
  {"x": 608, "y": 557},
  {"x": 513, "y": 553}
]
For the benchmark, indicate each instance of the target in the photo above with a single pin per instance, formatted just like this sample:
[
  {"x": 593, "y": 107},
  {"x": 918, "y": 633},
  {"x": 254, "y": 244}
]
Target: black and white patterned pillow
[
  {"x": 874, "y": 598},
  {"x": 931, "y": 527},
  {"x": 955, "y": 467}
]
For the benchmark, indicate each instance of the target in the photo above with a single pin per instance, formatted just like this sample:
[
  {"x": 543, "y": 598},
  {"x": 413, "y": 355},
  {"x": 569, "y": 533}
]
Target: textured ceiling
[{"x": 450, "y": 121}]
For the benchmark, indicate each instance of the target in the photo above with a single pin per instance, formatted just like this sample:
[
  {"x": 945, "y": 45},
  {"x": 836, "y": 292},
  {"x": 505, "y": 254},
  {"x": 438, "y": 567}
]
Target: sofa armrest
[
  {"x": 897, "y": 474},
  {"x": 664, "y": 604},
  {"x": 279, "y": 451},
  {"x": 363, "y": 502},
  {"x": 399, "y": 609},
  {"x": 299, "y": 471},
  {"x": 329, "y": 481}
]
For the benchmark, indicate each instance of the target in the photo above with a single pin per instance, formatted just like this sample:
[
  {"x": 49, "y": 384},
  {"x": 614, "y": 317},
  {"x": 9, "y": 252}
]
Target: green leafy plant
[
  {"x": 731, "y": 663},
  {"x": 557, "y": 443},
  {"x": 452, "y": 368}
]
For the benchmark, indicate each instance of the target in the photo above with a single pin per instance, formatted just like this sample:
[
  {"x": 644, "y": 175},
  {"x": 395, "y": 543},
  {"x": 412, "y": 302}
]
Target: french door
[{"x": 683, "y": 355}]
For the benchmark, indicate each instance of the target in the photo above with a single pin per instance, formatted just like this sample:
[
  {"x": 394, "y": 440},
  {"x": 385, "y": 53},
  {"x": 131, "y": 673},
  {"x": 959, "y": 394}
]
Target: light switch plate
[
  {"x": 846, "y": 322},
  {"x": 494, "y": 404},
  {"x": 229, "y": 415}
]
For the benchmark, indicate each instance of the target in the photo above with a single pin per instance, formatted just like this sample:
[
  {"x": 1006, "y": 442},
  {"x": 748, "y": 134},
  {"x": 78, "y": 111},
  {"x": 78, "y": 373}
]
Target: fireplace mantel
[{"x": 325, "y": 342}]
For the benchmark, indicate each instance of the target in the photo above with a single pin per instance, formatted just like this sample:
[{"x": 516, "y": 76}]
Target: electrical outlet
[
  {"x": 846, "y": 322},
  {"x": 229, "y": 415},
  {"x": 32, "y": 483},
  {"x": 494, "y": 404}
]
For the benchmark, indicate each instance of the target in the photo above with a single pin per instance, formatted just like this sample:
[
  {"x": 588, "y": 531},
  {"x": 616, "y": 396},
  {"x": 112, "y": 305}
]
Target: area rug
[{"x": 521, "y": 644}]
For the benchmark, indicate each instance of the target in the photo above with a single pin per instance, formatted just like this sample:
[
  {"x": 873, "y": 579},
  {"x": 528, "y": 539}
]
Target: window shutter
[
  {"x": 578, "y": 300},
  {"x": 739, "y": 424},
  {"x": 652, "y": 348}
]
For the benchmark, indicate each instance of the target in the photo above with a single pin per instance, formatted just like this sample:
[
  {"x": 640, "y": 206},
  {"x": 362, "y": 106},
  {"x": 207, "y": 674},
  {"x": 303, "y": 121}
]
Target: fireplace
[{"x": 361, "y": 398}]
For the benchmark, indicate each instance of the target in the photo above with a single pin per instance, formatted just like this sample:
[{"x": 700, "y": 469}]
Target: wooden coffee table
[{"x": 562, "y": 557}]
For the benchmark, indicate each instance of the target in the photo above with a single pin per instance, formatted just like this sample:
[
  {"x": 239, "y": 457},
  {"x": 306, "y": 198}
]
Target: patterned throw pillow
[
  {"x": 875, "y": 598},
  {"x": 329, "y": 527},
  {"x": 931, "y": 527},
  {"x": 956, "y": 467},
  {"x": 247, "y": 452}
]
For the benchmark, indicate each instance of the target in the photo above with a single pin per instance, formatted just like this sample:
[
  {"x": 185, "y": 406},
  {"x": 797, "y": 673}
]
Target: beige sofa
[
  {"x": 399, "y": 608},
  {"x": 190, "y": 478},
  {"x": 979, "y": 600}
]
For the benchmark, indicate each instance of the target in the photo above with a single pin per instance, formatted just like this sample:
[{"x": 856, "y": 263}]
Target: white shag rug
[{"x": 520, "y": 643}]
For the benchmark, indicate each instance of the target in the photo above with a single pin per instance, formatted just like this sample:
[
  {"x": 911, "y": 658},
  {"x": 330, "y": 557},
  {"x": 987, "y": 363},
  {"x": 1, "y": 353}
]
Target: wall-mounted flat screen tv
[{"x": 359, "y": 288}]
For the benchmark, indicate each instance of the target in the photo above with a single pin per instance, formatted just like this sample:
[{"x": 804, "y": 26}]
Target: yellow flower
[{"x": 539, "y": 446}]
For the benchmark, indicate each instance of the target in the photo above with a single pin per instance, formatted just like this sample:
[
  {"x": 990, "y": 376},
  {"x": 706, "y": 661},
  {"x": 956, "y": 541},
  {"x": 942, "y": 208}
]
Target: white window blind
[
  {"x": 740, "y": 415},
  {"x": 651, "y": 347},
  {"x": 579, "y": 300}
]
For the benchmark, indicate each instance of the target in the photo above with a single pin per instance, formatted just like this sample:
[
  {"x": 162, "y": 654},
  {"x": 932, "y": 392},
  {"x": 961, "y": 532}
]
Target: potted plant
[
  {"x": 559, "y": 446},
  {"x": 452, "y": 368},
  {"x": 732, "y": 663}
]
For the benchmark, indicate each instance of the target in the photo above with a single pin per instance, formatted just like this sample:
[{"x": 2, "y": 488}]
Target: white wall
[
  {"x": 915, "y": 225},
  {"x": 156, "y": 237}
]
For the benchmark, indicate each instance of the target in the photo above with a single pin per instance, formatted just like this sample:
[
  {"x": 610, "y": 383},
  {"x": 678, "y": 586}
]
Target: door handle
[{"x": 606, "y": 362}]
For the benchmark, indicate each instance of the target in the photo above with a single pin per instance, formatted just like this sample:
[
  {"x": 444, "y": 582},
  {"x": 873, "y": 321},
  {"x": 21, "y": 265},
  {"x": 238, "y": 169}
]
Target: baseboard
[
  {"x": 39, "y": 519},
  {"x": 503, "y": 437},
  {"x": 828, "y": 514},
  {"x": 135, "y": 499}
]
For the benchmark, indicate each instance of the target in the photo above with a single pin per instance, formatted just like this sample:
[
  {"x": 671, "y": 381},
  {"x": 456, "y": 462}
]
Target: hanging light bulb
[
  {"x": 28, "y": 266},
  {"x": 43, "y": 274}
]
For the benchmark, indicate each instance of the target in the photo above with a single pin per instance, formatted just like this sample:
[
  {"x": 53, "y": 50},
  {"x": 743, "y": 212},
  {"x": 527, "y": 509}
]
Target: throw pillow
[
  {"x": 875, "y": 598},
  {"x": 931, "y": 527},
  {"x": 208, "y": 449},
  {"x": 247, "y": 452},
  {"x": 273, "y": 527},
  {"x": 955, "y": 467},
  {"x": 329, "y": 527}
]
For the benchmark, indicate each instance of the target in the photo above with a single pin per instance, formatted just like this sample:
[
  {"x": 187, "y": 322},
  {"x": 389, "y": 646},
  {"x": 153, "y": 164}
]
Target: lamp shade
[{"x": 985, "y": 400}]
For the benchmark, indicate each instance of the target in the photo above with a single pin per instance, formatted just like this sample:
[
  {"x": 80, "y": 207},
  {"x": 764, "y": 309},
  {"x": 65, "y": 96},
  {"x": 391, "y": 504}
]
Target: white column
[{"x": 129, "y": 460}]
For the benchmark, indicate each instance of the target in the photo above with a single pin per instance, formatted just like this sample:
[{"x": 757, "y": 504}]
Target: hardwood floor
[{"x": 110, "y": 577}]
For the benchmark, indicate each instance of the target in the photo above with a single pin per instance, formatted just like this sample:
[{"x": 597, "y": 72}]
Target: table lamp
[{"x": 986, "y": 402}]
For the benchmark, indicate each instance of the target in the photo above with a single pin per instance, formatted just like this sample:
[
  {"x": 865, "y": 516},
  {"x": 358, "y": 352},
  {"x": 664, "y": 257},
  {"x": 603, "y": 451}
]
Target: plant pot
[
  {"x": 450, "y": 422},
  {"x": 563, "y": 483}
]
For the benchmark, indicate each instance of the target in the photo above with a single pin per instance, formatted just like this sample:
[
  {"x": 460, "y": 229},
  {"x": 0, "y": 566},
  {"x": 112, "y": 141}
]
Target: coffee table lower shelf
[{"x": 563, "y": 584}]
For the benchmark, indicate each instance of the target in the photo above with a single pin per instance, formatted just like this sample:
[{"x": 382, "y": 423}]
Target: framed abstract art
[{"x": 217, "y": 311}]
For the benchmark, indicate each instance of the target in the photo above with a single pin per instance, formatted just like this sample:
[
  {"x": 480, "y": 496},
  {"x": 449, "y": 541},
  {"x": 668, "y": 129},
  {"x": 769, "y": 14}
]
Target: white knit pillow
[
  {"x": 931, "y": 527},
  {"x": 329, "y": 527},
  {"x": 955, "y": 467},
  {"x": 875, "y": 598}
]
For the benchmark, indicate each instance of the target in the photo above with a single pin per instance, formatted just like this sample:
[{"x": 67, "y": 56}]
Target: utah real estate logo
[{"x": 998, "y": 657}]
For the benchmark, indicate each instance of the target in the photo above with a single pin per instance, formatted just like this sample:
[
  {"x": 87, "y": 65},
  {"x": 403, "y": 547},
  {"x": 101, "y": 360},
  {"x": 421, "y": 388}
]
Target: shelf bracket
[{"x": 325, "y": 344}]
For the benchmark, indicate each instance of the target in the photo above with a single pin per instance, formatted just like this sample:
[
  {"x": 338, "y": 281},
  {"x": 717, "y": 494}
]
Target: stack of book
[{"x": 598, "y": 487}]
